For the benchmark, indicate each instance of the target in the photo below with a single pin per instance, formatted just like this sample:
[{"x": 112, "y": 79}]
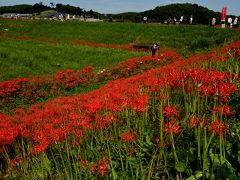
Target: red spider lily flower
[
  {"x": 102, "y": 167},
  {"x": 93, "y": 106},
  {"x": 226, "y": 89},
  {"x": 140, "y": 103},
  {"x": 86, "y": 123},
  {"x": 225, "y": 110},
  {"x": 55, "y": 135},
  {"x": 83, "y": 162},
  {"x": 101, "y": 123},
  {"x": 8, "y": 134},
  {"x": 129, "y": 137},
  {"x": 110, "y": 118},
  {"x": 78, "y": 133},
  {"x": 13, "y": 162},
  {"x": 219, "y": 128},
  {"x": 39, "y": 135},
  {"x": 40, "y": 148},
  {"x": 93, "y": 168},
  {"x": 215, "y": 110},
  {"x": 172, "y": 127},
  {"x": 208, "y": 90},
  {"x": 193, "y": 121},
  {"x": 170, "y": 111}
]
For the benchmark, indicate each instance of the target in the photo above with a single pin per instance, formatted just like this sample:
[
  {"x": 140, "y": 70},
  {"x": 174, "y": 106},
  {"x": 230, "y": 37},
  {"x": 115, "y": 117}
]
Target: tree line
[
  {"x": 201, "y": 15},
  {"x": 40, "y": 7}
]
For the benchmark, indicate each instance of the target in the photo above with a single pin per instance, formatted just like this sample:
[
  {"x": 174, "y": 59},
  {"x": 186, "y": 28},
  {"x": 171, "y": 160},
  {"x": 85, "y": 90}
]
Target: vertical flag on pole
[
  {"x": 223, "y": 16},
  {"x": 224, "y": 13}
]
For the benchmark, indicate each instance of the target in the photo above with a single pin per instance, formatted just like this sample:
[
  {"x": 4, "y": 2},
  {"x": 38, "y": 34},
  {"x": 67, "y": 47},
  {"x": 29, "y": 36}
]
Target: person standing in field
[
  {"x": 181, "y": 19},
  {"x": 174, "y": 20},
  {"x": 230, "y": 22},
  {"x": 235, "y": 22},
  {"x": 213, "y": 22},
  {"x": 145, "y": 20},
  {"x": 154, "y": 48},
  {"x": 61, "y": 17},
  {"x": 191, "y": 20}
]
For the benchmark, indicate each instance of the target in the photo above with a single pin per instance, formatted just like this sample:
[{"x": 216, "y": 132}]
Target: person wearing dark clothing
[{"x": 154, "y": 48}]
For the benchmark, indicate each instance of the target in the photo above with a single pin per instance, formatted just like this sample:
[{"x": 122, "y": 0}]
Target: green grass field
[
  {"x": 185, "y": 38},
  {"x": 24, "y": 58}
]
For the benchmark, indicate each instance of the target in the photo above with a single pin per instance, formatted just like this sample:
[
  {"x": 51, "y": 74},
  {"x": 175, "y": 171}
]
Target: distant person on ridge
[
  {"x": 181, "y": 19},
  {"x": 235, "y": 22},
  {"x": 154, "y": 48},
  {"x": 174, "y": 20},
  {"x": 230, "y": 22},
  {"x": 191, "y": 20},
  {"x": 145, "y": 20},
  {"x": 213, "y": 22}
]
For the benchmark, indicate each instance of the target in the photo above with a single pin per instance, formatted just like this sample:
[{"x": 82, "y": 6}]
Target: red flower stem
[
  {"x": 161, "y": 131},
  {"x": 174, "y": 149},
  {"x": 199, "y": 141},
  {"x": 205, "y": 137},
  {"x": 221, "y": 152},
  {"x": 110, "y": 159},
  {"x": 205, "y": 150}
]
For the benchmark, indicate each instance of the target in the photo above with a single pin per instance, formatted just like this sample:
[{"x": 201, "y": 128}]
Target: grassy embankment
[{"x": 185, "y": 39}]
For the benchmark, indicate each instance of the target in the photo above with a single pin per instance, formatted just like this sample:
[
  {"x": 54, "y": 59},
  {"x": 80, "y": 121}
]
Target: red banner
[{"x": 224, "y": 13}]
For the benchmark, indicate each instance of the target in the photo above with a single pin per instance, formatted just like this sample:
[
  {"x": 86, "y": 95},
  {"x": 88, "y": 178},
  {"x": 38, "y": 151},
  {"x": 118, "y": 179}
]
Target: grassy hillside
[
  {"x": 25, "y": 58},
  {"x": 200, "y": 14},
  {"x": 184, "y": 39}
]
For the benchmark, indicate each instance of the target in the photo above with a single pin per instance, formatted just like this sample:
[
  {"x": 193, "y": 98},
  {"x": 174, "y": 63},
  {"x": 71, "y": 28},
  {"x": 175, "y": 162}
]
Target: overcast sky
[{"x": 117, "y": 6}]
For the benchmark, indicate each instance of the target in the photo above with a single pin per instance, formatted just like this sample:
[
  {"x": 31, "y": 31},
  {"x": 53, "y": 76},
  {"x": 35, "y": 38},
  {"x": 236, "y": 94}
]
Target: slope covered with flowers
[
  {"x": 31, "y": 89},
  {"x": 178, "y": 120}
]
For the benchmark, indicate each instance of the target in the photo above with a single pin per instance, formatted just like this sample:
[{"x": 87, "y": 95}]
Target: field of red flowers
[
  {"x": 30, "y": 89},
  {"x": 156, "y": 117}
]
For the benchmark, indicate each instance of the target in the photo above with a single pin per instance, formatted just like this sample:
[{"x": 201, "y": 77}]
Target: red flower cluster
[
  {"x": 195, "y": 121},
  {"x": 129, "y": 137},
  {"x": 32, "y": 88},
  {"x": 222, "y": 90},
  {"x": 9, "y": 87},
  {"x": 172, "y": 126},
  {"x": 8, "y": 131},
  {"x": 219, "y": 128},
  {"x": 101, "y": 167},
  {"x": 225, "y": 110},
  {"x": 170, "y": 111}
]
